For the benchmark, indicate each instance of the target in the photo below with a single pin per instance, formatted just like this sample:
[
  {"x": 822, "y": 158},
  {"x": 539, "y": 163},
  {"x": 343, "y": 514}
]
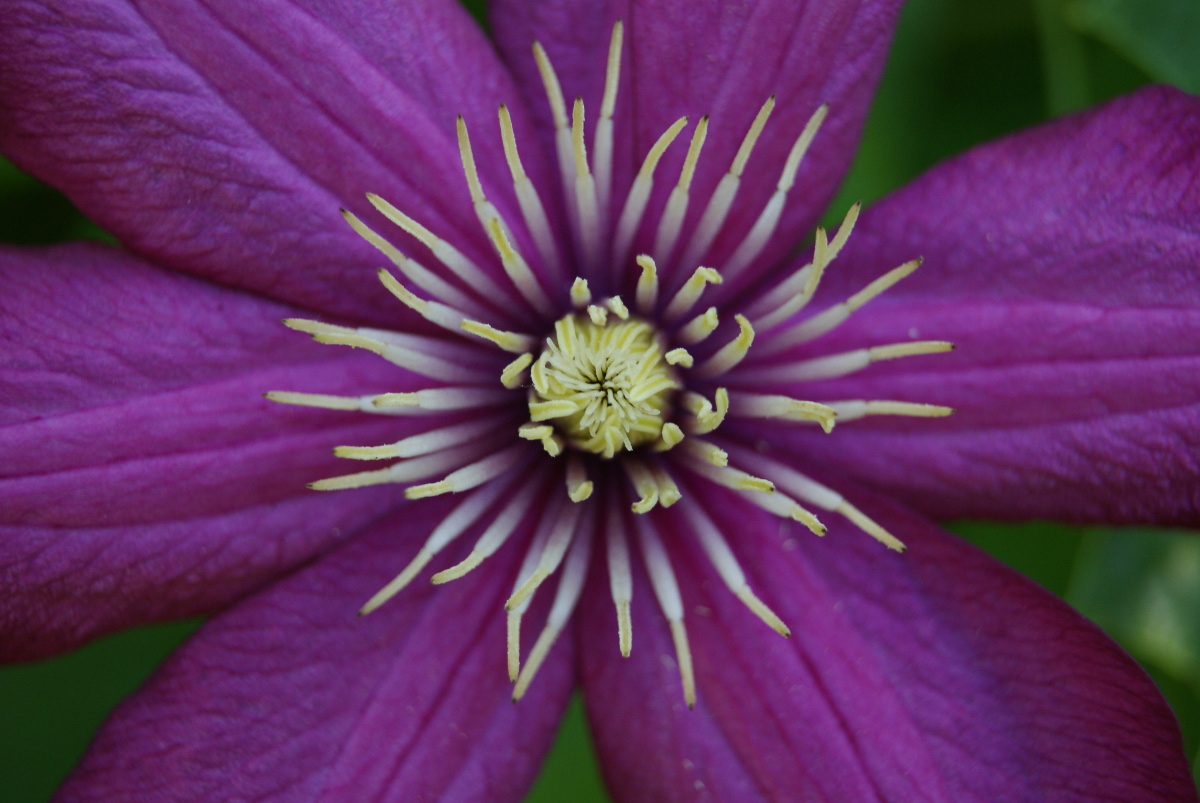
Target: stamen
[
  {"x": 677, "y": 203},
  {"x": 764, "y": 227},
  {"x": 823, "y": 322},
  {"x": 509, "y": 341},
  {"x": 579, "y": 487},
  {"x": 870, "y": 527},
  {"x": 432, "y": 311},
  {"x": 620, "y": 578},
  {"x": 732, "y": 353},
  {"x": 516, "y": 373},
  {"x": 599, "y": 315},
  {"x": 404, "y": 471},
  {"x": 860, "y": 408},
  {"x": 817, "y": 494},
  {"x": 581, "y": 296},
  {"x": 528, "y": 565},
  {"x": 722, "y": 197},
  {"x": 416, "y": 273},
  {"x": 723, "y": 560},
  {"x": 793, "y": 294},
  {"x": 679, "y": 356},
  {"x": 754, "y": 405},
  {"x": 551, "y": 555},
  {"x": 668, "y": 491},
  {"x": 444, "y": 252},
  {"x": 774, "y": 502},
  {"x": 671, "y": 436},
  {"x": 643, "y": 482},
  {"x": 848, "y": 362},
  {"x": 733, "y": 478},
  {"x": 699, "y": 327},
  {"x": 708, "y": 418},
  {"x": 553, "y": 444},
  {"x": 531, "y": 203},
  {"x": 494, "y": 536},
  {"x": 535, "y": 432},
  {"x": 585, "y": 191},
  {"x": 570, "y": 587},
  {"x": 690, "y": 293},
  {"x": 666, "y": 589},
  {"x": 454, "y": 398},
  {"x": 549, "y": 410},
  {"x": 706, "y": 452},
  {"x": 618, "y": 307},
  {"x": 320, "y": 400},
  {"x": 361, "y": 404},
  {"x": 446, "y": 532},
  {"x": 518, "y": 270},
  {"x": 496, "y": 227},
  {"x": 372, "y": 340},
  {"x": 562, "y": 131},
  {"x": 647, "y": 286},
  {"x": 602, "y": 143},
  {"x": 416, "y": 445},
  {"x": 639, "y": 193},
  {"x": 469, "y": 476}
]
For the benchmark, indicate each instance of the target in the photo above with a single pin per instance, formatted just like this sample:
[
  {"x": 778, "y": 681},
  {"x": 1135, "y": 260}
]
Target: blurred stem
[{"x": 1064, "y": 61}]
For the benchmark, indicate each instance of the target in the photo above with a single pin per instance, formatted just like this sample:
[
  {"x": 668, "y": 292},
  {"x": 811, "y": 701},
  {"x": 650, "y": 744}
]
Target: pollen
[{"x": 606, "y": 384}]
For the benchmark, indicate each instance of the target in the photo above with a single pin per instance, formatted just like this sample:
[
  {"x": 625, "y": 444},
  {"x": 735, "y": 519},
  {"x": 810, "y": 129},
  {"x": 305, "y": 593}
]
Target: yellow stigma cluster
[{"x": 604, "y": 383}]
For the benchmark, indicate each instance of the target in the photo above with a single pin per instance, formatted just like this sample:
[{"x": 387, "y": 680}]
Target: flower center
[
  {"x": 605, "y": 384},
  {"x": 610, "y": 380}
]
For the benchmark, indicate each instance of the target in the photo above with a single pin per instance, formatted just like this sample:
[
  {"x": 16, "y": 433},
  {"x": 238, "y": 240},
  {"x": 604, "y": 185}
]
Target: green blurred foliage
[
  {"x": 961, "y": 72},
  {"x": 1161, "y": 37},
  {"x": 1143, "y": 587},
  {"x": 51, "y": 708}
]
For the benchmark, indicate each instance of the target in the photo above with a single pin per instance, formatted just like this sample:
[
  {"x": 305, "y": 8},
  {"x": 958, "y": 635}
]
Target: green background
[{"x": 960, "y": 72}]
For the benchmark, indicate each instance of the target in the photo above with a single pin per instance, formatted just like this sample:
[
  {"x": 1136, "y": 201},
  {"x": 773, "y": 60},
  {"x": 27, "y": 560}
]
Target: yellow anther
[
  {"x": 535, "y": 432},
  {"x": 679, "y": 356},
  {"x": 516, "y": 372},
  {"x": 732, "y": 353},
  {"x": 700, "y": 327},
  {"x": 647, "y": 286},
  {"x": 581, "y": 296},
  {"x": 509, "y": 341}
]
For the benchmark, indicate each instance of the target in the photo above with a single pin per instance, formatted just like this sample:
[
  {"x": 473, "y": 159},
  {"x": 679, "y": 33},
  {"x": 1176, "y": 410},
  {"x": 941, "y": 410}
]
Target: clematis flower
[{"x": 614, "y": 396}]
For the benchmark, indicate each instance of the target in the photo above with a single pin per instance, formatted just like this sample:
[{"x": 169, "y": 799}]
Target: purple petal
[
  {"x": 144, "y": 474},
  {"x": 724, "y": 60},
  {"x": 221, "y": 138},
  {"x": 1062, "y": 263},
  {"x": 289, "y": 696},
  {"x": 933, "y": 675}
]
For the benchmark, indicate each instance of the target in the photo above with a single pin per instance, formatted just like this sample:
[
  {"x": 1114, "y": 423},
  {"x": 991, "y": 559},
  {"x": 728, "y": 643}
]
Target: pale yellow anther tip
[
  {"x": 581, "y": 491},
  {"x": 428, "y": 489},
  {"x": 670, "y": 437},
  {"x": 396, "y": 400},
  {"x": 581, "y": 295},
  {"x": 757, "y": 484},
  {"x": 645, "y": 504},
  {"x": 305, "y": 325},
  {"x": 679, "y": 356}
]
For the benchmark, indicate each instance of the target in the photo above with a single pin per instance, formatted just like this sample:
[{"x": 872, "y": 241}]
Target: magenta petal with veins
[{"x": 591, "y": 377}]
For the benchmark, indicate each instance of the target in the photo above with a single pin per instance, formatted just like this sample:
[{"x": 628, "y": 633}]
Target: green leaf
[
  {"x": 1160, "y": 36},
  {"x": 1143, "y": 587}
]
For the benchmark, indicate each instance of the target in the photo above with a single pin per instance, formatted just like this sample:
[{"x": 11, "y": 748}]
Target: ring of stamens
[
  {"x": 605, "y": 384},
  {"x": 605, "y": 381}
]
